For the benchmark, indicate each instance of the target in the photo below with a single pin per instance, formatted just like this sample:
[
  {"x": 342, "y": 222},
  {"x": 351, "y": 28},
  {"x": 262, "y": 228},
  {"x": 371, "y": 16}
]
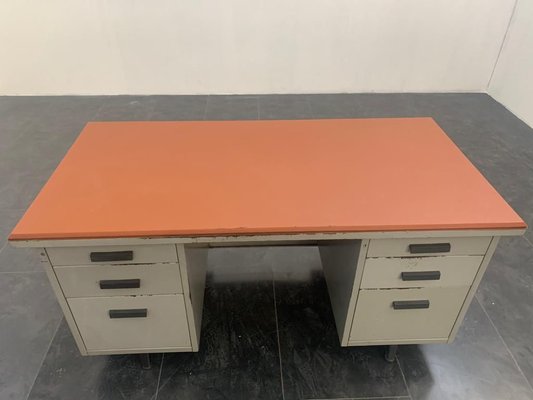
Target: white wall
[
  {"x": 512, "y": 83},
  {"x": 248, "y": 46}
]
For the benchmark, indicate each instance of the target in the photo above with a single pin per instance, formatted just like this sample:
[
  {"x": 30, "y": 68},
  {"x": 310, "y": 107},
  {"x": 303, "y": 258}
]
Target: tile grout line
[
  {"x": 277, "y": 336},
  {"x": 403, "y": 377},
  {"x": 159, "y": 377},
  {"x": 505, "y": 344},
  {"x": 97, "y": 112},
  {"x": 206, "y": 107},
  {"x": 258, "y": 109},
  {"x": 308, "y": 106},
  {"x": 44, "y": 356},
  {"x": 151, "y": 113}
]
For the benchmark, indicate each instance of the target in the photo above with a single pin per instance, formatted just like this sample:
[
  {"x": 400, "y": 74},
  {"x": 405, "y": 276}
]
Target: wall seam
[{"x": 504, "y": 40}]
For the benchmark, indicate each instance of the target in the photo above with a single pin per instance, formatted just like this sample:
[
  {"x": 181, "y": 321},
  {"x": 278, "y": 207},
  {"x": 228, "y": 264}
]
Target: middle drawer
[
  {"x": 420, "y": 271},
  {"x": 119, "y": 280}
]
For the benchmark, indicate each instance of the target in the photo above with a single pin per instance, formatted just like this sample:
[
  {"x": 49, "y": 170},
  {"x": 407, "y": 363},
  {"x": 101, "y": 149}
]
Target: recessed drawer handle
[
  {"x": 410, "y": 304},
  {"x": 421, "y": 276},
  {"x": 120, "y": 284},
  {"x": 102, "y": 256},
  {"x": 133, "y": 313},
  {"x": 430, "y": 248}
]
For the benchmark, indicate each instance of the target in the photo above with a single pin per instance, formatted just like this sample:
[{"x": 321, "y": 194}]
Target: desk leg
[
  {"x": 145, "y": 360},
  {"x": 390, "y": 355}
]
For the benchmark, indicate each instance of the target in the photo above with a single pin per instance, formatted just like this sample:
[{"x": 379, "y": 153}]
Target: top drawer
[
  {"x": 416, "y": 247},
  {"x": 87, "y": 255}
]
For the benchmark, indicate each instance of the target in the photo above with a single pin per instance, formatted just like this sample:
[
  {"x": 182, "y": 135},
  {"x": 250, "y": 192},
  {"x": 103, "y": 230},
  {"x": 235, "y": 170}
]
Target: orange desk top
[{"x": 150, "y": 179}]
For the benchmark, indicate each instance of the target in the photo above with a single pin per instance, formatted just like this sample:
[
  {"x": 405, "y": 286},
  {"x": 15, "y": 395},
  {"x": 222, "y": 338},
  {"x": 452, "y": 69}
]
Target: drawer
[
  {"x": 460, "y": 246},
  {"x": 119, "y": 280},
  {"x": 376, "y": 319},
  {"x": 420, "y": 271},
  {"x": 163, "y": 326},
  {"x": 142, "y": 254}
]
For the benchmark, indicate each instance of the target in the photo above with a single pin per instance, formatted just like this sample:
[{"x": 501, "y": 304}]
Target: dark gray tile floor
[
  {"x": 238, "y": 358},
  {"x": 268, "y": 332},
  {"x": 314, "y": 365}
]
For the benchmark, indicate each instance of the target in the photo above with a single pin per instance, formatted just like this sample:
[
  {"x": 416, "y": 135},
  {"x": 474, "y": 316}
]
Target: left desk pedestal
[{"x": 130, "y": 299}]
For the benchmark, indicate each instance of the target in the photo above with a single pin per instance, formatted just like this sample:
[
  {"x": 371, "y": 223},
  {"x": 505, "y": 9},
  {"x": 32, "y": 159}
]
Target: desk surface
[{"x": 152, "y": 179}]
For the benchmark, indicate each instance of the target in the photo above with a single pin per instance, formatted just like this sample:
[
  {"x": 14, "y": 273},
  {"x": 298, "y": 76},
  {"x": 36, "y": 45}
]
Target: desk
[{"x": 405, "y": 224}]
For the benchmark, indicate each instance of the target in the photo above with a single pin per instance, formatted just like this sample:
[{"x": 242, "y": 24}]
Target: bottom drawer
[
  {"x": 131, "y": 322},
  {"x": 376, "y": 317}
]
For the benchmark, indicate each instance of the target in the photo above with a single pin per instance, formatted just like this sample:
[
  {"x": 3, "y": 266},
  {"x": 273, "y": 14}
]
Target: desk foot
[
  {"x": 390, "y": 354},
  {"x": 145, "y": 360}
]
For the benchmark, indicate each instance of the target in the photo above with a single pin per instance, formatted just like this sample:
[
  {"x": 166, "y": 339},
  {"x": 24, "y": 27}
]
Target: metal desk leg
[
  {"x": 390, "y": 355},
  {"x": 145, "y": 360}
]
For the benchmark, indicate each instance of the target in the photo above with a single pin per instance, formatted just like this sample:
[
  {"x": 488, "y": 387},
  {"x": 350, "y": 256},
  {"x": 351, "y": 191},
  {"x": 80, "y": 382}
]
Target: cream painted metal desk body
[{"x": 126, "y": 253}]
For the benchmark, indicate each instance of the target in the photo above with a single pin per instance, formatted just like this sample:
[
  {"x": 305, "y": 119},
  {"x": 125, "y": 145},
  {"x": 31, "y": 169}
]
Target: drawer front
[
  {"x": 376, "y": 319},
  {"x": 143, "y": 254},
  {"x": 119, "y": 280},
  {"x": 420, "y": 272},
  {"x": 463, "y": 246},
  {"x": 140, "y": 322}
]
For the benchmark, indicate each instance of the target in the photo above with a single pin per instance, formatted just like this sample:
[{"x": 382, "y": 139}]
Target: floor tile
[
  {"x": 66, "y": 374},
  {"x": 177, "y": 108},
  {"x": 294, "y": 263},
  {"x": 313, "y": 363},
  {"x": 9, "y": 135},
  {"x": 332, "y": 105},
  {"x": 14, "y": 259},
  {"x": 284, "y": 107},
  {"x": 29, "y": 316},
  {"x": 126, "y": 108},
  {"x": 67, "y": 112},
  {"x": 381, "y": 105},
  {"x": 529, "y": 233},
  {"x": 514, "y": 181},
  {"x": 8, "y": 220},
  {"x": 39, "y": 148},
  {"x": 51, "y": 117},
  {"x": 239, "y": 264},
  {"x": 249, "y": 263},
  {"x": 15, "y": 194},
  {"x": 35, "y": 147},
  {"x": 232, "y": 107},
  {"x": 238, "y": 357},
  {"x": 19, "y": 113},
  {"x": 478, "y": 124},
  {"x": 506, "y": 292},
  {"x": 367, "y": 105},
  {"x": 494, "y": 122},
  {"x": 477, "y": 366}
]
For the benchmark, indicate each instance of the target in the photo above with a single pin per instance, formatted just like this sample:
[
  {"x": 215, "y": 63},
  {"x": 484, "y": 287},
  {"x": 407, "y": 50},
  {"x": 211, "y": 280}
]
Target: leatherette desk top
[{"x": 153, "y": 179}]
